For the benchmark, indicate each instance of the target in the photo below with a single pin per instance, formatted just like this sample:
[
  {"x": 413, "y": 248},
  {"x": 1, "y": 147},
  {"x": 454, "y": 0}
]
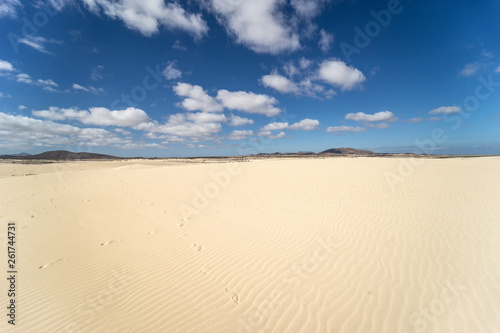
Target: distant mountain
[
  {"x": 59, "y": 155},
  {"x": 20, "y": 154},
  {"x": 346, "y": 151}
]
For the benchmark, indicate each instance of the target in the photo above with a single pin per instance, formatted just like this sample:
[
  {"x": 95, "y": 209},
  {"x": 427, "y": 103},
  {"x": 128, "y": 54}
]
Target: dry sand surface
[{"x": 277, "y": 245}]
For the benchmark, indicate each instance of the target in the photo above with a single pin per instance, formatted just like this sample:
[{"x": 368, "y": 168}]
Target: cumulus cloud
[
  {"x": 8, "y": 8},
  {"x": 6, "y": 66},
  {"x": 239, "y": 121},
  {"x": 335, "y": 129},
  {"x": 274, "y": 126},
  {"x": 248, "y": 102},
  {"x": 326, "y": 40},
  {"x": 379, "y": 116},
  {"x": 206, "y": 117},
  {"x": 303, "y": 80},
  {"x": 171, "y": 72},
  {"x": 147, "y": 16},
  {"x": 239, "y": 135},
  {"x": 183, "y": 125},
  {"x": 338, "y": 74},
  {"x": 497, "y": 70},
  {"x": 20, "y": 132},
  {"x": 280, "y": 83},
  {"x": 96, "y": 116},
  {"x": 306, "y": 125},
  {"x": 257, "y": 24},
  {"x": 446, "y": 110},
  {"x": 196, "y": 98}
]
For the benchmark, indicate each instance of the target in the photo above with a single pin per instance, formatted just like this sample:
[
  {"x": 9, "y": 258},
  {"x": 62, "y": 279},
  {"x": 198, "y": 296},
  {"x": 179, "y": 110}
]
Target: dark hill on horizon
[
  {"x": 60, "y": 155},
  {"x": 347, "y": 151}
]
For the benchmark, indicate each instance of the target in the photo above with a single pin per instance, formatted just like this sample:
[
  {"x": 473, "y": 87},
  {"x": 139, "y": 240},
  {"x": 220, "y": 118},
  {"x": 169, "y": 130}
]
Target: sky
[{"x": 235, "y": 77}]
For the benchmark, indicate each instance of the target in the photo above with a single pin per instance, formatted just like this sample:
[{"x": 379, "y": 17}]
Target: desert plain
[{"x": 337, "y": 244}]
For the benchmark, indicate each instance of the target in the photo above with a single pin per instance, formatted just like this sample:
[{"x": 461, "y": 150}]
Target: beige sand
[{"x": 280, "y": 245}]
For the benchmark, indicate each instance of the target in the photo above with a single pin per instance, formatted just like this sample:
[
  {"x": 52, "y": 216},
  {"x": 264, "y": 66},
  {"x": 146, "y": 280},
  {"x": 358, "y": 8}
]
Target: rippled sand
[{"x": 278, "y": 245}]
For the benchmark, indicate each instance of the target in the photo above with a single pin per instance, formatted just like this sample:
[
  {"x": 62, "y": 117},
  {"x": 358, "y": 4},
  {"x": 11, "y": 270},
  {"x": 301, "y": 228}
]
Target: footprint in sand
[
  {"x": 152, "y": 232},
  {"x": 109, "y": 242},
  {"x": 205, "y": 269},
  {"x": 235, "y": 296},
  {"x": 51, "y": 263},
  {"x": 199, "y": 247}
]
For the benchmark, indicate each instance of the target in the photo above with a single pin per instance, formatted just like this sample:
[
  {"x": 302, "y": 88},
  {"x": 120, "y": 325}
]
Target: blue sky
[{"x": 232, "y": 77}]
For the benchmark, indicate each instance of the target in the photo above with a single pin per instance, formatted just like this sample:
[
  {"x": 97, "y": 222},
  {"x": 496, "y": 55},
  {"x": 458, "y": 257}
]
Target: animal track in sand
[
  {"x": 109, "y": 242},
  {"x": 199, "y": 247},
  {"x": 152, "y": 232},
  {"x": 51, "y": 263}
]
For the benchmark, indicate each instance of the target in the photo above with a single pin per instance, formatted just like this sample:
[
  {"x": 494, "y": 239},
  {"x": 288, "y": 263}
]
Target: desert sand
[{"x": 275, "y": 245}]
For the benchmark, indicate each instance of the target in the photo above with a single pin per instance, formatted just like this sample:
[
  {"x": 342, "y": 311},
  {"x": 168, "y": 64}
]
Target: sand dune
[{"x": 277, "y": 245}]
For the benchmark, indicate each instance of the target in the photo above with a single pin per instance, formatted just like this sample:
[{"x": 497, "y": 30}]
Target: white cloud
[
  {"x": 338, "y": 74},
  {"x": 304, "y": 63},
  {"x": 470, "y": 69},
  {"x": 123, "y": 132},
  {"x": 274, "y": 126},
  {"x": 257, "y": 24},
  {"x": 2, "y": 95},
  {"x": 249, "y": 102},
  {"x": 6, "y": 66},
  {"x": 180, "y": 125},
  {"x": 270, "y": 135},
  {"x": 239, "y": 135},
  {"x": 239, "y": 121},
  {"x": 22, "y": 107},
  {"x": 79, "y": 87},
  {"x": 96, "y": 116},
  {"x": 302, "y": 80},
  {"x": 306, "y": 125},
  {"x": 20, "y": 132},
  {"x": 171, "y": 72},
  {"x": 38, "y": 42},
  {"x": 147, "y": 16},
  {"x": 206, "y": 117},
  {"x": 307, "y": 8},
  {"x": 24, "y": 78},
  {"x": 8, "y": 8},
  {"x": 446, "y": 110},
  {"x": 498, "y": 69},
  {"x": 88, "y": 89},
  {"x": 379, "y": 116},
  {"x": 280, "y": 83},
  {"x": 335, "y": 129},
  {"x": 326, "y": 40},
  {"x": 48, "y": 84},
  {"x": 197, "y": 98}
]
